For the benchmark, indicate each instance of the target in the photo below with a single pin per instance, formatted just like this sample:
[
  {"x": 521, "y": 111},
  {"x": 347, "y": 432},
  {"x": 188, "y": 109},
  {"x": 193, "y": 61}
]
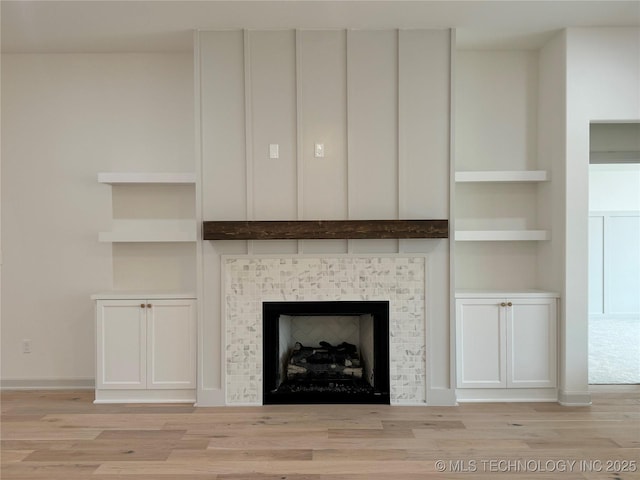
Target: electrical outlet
[{"x": 26, "y": 346}]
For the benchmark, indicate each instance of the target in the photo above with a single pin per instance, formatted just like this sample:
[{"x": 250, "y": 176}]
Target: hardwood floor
[{"x": 62, "y": 435}]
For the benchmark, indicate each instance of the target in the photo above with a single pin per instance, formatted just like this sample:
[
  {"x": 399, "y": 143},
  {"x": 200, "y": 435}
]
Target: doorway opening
[{"x": 614, "y": 253}]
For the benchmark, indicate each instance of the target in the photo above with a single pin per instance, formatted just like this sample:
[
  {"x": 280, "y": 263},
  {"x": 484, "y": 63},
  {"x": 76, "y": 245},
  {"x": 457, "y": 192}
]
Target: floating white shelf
[
  {"x": 503, "y": 176},
  {"x": 526, "y": 293},
  {"x": 117, "y": 178},
  {"x": 150, "y": 231},
  {"x": 147, "y": 295},
  {"x": 501, "y": 235}
]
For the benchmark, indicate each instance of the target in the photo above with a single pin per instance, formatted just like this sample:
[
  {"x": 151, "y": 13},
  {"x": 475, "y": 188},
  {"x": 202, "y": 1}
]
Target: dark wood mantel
[{"x": 324, "y": 229}]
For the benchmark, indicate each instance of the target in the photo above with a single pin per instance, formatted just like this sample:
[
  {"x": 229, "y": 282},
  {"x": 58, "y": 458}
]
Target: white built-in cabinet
[
  {"x": 146, "y": 342},
  {"x": 145, "y": 347},
  {"x": 504, "y": 251},
  {"x": 506, "y": 340}
]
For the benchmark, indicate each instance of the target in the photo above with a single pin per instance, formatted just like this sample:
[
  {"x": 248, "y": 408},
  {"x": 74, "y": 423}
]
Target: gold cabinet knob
[
  {"x": 509, "y": 304},
  {"x": 148, "y": 305},
  {"x": 503, "y": 304},
  {"x": 142, "y": 305}
]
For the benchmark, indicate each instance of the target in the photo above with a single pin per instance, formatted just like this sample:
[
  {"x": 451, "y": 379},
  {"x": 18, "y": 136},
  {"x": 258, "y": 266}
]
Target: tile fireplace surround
[{"x": 250, "y": 280}]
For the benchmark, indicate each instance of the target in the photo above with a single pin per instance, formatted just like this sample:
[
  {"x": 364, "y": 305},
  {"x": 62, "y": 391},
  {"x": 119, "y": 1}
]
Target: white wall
[
  {"x": 603, "y": 74},
  {"x": 496, "y": 110},
  {"x": 378, "y": 100},
  {"x": 614, "y": 187},
  {"x": 65, "y": 118},
  {"x": 552, "y": 127},
  {"x": 551, "y": 157}
]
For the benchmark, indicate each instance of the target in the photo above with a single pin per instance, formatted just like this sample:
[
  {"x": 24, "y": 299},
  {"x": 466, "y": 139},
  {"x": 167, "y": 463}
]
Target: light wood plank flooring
[{"x": 62, "y": 435}]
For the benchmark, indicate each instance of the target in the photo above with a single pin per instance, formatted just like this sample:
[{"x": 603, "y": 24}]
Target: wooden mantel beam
[{"x": 324, "y": 229}]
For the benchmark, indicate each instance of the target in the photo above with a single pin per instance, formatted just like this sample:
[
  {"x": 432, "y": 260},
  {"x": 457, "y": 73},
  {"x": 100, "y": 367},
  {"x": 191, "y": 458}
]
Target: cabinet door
[
  {"x": 480, "y": 346},
  {"x": 171, "y": 340},
  {"x": 121, "y": 345},
  {"x": 531, "y": 344}
]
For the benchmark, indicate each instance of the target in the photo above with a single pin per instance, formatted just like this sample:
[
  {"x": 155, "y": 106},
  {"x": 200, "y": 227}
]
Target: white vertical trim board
[
  {"x": 248, "y": 129},
  {"x": 400, "y": 202},
  {"x": 348, "y": 35},
  {"x": 299, "y": 143},
  {"x": 248, "y": 122},
  {"x": 299, "y": 113},
  {"x": 452, "y": 205},
  {"x": 348, "y": 79},
  {"x": 197, "y": 110},
  {"x": 400, "y": 132}
]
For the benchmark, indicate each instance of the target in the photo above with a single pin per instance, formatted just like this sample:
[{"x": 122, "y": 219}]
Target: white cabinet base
[
  {"x": 485, "y": 395},
  {"x": 145, "y": 396},
  {"x": 506, "y": 347},
  {"x": 146, "y": 348}
]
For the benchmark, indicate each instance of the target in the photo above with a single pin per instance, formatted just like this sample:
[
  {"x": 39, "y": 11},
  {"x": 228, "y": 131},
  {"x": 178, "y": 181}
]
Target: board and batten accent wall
[{"x": 379, "y": 102}]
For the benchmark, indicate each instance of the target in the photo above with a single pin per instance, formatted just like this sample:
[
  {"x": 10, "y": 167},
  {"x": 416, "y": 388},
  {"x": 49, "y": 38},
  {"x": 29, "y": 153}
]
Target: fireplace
[
  {"x": 326, "y": 352},
  {"x": 250, "y": 281}
]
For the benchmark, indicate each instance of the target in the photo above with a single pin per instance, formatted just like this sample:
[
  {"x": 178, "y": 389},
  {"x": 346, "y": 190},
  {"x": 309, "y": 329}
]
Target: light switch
[
  {"x": 274, "y": 150},
  {"x": 319, "y": 150}
]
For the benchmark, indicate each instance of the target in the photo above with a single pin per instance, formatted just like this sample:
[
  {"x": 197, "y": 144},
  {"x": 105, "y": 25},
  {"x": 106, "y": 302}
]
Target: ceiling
[{"x": 51, "y": 26}]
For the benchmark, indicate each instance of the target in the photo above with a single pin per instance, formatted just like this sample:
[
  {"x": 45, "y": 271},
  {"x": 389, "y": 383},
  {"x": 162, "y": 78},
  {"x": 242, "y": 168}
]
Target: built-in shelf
[
  {"x": 501, "y": 235},
  {"x": 324, "y": 229},
  {"x": 150, "y": 231},
  {"x": 147, "y": 295},
  {"x": 520, "y": 293},
  {"x": 117, "y": 178},
  {"x": 503, "y": 176}
]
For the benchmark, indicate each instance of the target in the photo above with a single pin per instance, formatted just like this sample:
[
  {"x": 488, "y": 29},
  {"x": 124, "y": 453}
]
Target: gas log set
[
  {"x": 324, "y": 362},
  {"x": 326, "y": 352},
  {"x": 327, "y": 368}
]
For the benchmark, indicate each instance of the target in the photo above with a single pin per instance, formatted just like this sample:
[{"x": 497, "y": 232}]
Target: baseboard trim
[
  {"x": 47, "y": 384},
  {"x": 513, "y": 395},
  {"x": 441, "y": 397},
  {"x": 146, "y": 396},
  {"x": 210, "y": 397},
  {"x": 574, "y": 399}
]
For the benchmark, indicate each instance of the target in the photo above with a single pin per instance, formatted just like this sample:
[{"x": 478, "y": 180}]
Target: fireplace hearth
[{"x": 326, "y": 352}]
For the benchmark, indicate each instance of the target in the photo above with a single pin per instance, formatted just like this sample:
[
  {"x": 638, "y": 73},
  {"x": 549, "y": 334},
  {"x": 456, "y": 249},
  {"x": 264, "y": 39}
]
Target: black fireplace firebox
[{"x": 302, "y": 370}]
